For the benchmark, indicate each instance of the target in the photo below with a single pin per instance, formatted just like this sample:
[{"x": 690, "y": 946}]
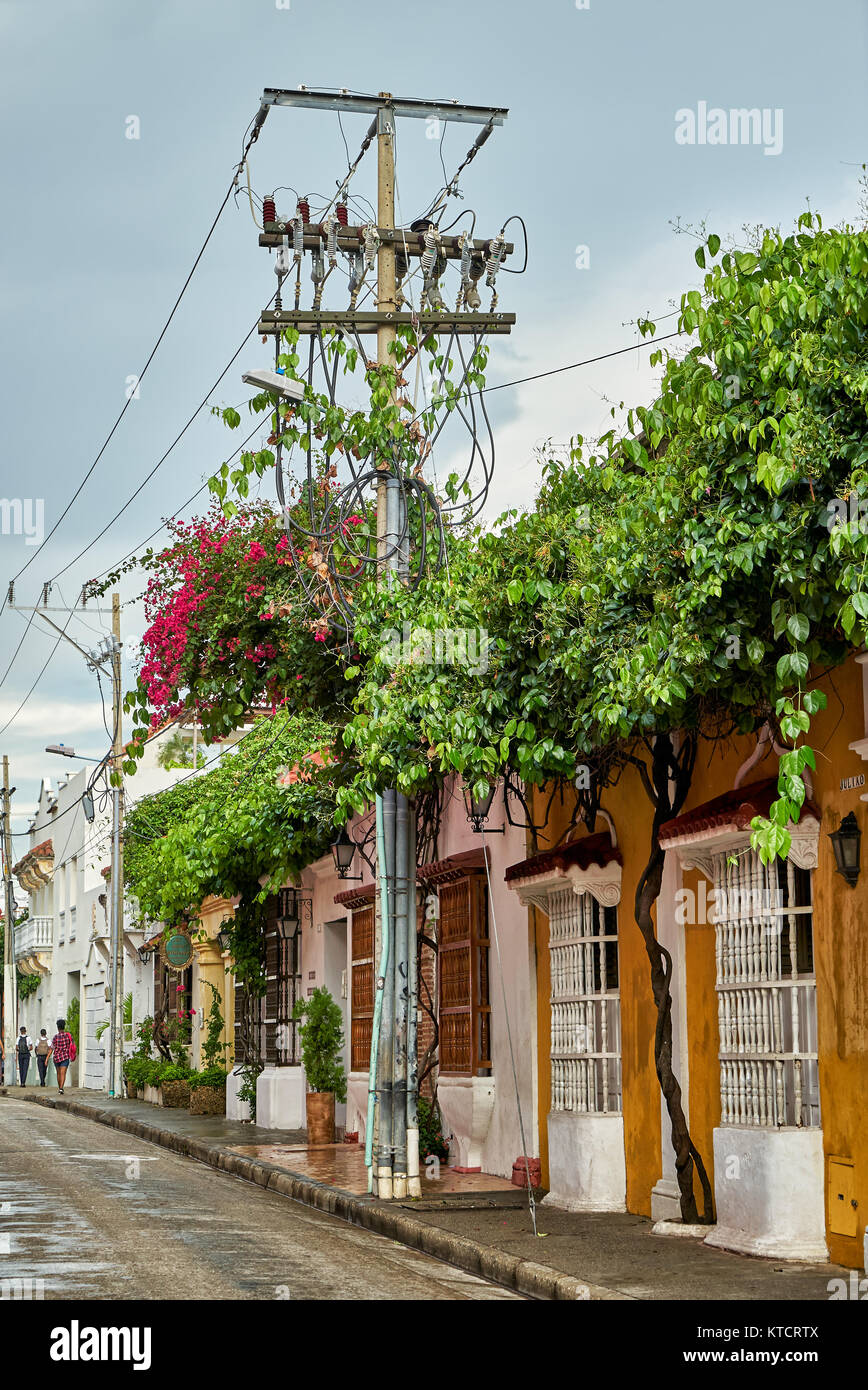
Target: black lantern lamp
[
  {"x": 224, "y": 939},
  {"x": 145, "y": 951},
  {"x": 479, "y": 809},
  {"x": 287, "y": 922},
  {"x": 846, "y": 842},
  {"x": 343, "y": 850}
]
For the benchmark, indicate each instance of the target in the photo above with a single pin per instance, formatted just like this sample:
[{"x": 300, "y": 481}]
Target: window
[
  {"x": 362, "y": 988},
  {"x": 464, "y": 1013},
  {"x": 586, "y": 1004},
  {"x": 282, "y": 989},
  {"x": 766, "y": 992}
]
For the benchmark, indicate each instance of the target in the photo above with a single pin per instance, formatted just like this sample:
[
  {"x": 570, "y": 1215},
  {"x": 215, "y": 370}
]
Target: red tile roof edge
[
  {"x": 581, "y": 853},
  {"x": 735, "y": 808}
]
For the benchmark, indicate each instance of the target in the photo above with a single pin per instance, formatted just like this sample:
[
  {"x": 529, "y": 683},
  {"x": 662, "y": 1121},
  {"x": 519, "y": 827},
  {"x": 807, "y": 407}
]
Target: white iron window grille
[
  {"x": 586, "y": 1004},
  {"x": 766, "y": 992}
]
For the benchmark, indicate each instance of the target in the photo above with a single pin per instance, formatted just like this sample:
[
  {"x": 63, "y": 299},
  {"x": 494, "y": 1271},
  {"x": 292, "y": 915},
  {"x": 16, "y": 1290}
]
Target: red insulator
[
  {"x": 303, "y": 209},
  {"x": 269, "y": 211},
  {"x": 342, "y": 214}
]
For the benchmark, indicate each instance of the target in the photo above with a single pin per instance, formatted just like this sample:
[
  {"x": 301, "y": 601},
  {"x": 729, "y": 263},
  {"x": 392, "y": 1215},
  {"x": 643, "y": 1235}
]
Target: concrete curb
[{"x": 523, "y": 1276}]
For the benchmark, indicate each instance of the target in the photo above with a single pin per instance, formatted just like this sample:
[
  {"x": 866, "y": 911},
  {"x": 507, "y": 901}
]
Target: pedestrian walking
[
  {"x": 23, "y": 1049},
  {"x": 62, "y": 1051},
  {"x": 43, "y": 1052}
]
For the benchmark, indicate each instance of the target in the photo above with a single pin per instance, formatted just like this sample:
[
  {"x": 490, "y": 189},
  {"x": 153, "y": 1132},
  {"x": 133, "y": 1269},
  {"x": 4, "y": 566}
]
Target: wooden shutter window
[
  {"x": 464, "y": 1004},
  {"x": 362, "y": 1019}
]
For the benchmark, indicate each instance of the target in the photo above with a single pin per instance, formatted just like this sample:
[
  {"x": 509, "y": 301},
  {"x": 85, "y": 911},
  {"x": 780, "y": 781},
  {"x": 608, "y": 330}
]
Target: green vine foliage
[
  {"x": 220, "y": 832},
  {"x": 695, "y": 569},
  {"x": 690, "y": 573}
]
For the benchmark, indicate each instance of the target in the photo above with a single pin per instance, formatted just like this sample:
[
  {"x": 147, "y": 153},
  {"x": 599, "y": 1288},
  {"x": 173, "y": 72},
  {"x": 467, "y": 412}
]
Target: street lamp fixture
[
  {"x": 144, "y": 952},
  {"x": 479, "y": 809},
  {"x": 846, "y": 842},
  {"x": 279, "y": 385},
  {"x": 224, "y": 937},
  {"x": 343, "y": 850},
  {"x": 287, "y": 922}
]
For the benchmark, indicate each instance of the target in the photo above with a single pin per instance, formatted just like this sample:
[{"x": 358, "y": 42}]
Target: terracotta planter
[
  {"x": 320, "y": 1117},
  {"x": 176, "y": 1094},
  {"x": 208, "y": 1100}
]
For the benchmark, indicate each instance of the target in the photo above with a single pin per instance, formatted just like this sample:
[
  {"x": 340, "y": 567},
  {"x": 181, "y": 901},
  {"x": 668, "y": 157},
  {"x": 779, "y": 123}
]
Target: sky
[{"x": 101, "y": 231}]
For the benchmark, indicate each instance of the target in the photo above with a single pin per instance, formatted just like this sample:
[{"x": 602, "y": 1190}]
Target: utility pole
[
  {"x": 109, "y": 649},
  {"x": 10, "y": 993},
  {"x": 116, "y": 1048},
  {"x": 392, "y": 1136}
]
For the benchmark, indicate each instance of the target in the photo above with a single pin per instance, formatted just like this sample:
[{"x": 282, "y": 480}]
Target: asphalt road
[{"x": 100, "y": 1215}]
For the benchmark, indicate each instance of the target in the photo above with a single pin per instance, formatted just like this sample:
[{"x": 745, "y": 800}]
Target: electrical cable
[
  {"x": 178, "y": 437},
  {"x": 257, "y": 124}
]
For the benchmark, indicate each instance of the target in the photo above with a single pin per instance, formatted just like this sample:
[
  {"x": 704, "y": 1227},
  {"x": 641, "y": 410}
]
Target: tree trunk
[{"x": 669, "y": 768}]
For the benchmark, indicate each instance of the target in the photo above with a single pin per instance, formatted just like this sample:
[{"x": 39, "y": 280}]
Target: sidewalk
[{"x": 476, "y": 1222}]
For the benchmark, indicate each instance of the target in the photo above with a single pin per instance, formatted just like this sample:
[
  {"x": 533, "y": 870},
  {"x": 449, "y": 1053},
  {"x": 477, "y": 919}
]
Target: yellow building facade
[{"x": 770, "y": 1000}]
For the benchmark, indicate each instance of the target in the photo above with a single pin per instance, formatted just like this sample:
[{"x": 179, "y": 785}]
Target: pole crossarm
[
  {"x": 370, "y": 105},
  {"x": 371, "y": 321}
]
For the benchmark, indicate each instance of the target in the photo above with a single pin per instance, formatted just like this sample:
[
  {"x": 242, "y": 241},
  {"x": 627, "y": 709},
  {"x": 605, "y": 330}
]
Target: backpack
[{"x": 22, "y": 1044}]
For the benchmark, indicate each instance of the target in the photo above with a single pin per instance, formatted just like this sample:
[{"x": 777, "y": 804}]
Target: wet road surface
[{"x": 99, "y": 1215}]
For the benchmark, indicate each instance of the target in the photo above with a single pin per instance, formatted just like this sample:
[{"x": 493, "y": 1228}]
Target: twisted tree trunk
[{"x": 671, "y": 773}]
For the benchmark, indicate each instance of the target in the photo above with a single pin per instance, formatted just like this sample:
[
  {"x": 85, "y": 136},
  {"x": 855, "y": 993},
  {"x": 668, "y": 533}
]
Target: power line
[
  {"x": 254, "y": 135},
  {"x": 131, "y": 553},
  {"x": 160, "y": 461}
]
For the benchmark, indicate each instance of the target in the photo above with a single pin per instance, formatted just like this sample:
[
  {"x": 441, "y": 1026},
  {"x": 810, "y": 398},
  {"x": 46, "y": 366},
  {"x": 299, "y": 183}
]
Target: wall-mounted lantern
[{"x": 846, "y": 842}]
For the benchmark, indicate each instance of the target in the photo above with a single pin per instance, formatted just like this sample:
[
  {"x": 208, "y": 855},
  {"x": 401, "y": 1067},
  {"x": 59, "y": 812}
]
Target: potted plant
[
  {"x": 175, "y": 1085},
  {"x": 208, "y": 1091},
  {"x": 322, "y": 1040}
]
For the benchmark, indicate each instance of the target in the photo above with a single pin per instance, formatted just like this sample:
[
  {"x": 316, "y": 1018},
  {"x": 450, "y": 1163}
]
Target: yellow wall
[
  {"x": 840, "y": 959},
  {"x": 631, "y": 811},
  {"x": 212, "y": 967}
]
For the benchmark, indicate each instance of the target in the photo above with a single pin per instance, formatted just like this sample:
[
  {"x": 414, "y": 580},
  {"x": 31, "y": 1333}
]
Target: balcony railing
[{"x": 36, "y": 934}]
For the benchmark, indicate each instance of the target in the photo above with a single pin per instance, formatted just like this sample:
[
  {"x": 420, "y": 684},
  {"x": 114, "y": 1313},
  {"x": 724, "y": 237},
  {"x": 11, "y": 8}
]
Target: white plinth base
[
  {"x": 768, "y": 1186},
  {"x": 587, "y": 1167},
  {"x": 466, "y": 1104},
  {"x": 679, "y": 1228},
  {"x": 666, "y": 1201},
  {"x": 236, "y": 1109},
  {"x": 357, "y": 1104},
  {"x": 280, "y": 1098}
]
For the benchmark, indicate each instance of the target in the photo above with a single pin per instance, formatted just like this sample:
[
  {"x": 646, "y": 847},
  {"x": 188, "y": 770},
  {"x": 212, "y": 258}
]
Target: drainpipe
[
  {"x": 378, "y": 997},
  {"x": 385, "y": 1060},
  {"x": 399, "y": 1082},
  {"x": 414, "y": 1186}
]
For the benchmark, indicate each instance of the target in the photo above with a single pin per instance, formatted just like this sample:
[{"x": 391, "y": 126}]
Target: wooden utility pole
[
  {"x": 10, "y": 993},
  {"x": 116, "y": 1050},
  {"x": 392, "y": 1136}
]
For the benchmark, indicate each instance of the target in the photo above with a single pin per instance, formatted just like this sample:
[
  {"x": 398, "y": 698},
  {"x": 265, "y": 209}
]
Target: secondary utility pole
[
  {"x": 392, "y": 1135},
  {"x": 10, "y": 993},
  {"x": 109, "y": 649}
]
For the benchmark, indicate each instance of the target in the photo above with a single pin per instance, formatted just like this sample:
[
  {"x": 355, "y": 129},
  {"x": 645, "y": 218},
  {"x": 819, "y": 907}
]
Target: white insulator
[
  {"x": 429, "y": 255},
  {"x": 281, "y": 260},
  {"x": 495, "y": 256},
  {"x": 372, "y": 245},
  {"x": 332, "y": 240},
  {"x": 297, "y": 238}
]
